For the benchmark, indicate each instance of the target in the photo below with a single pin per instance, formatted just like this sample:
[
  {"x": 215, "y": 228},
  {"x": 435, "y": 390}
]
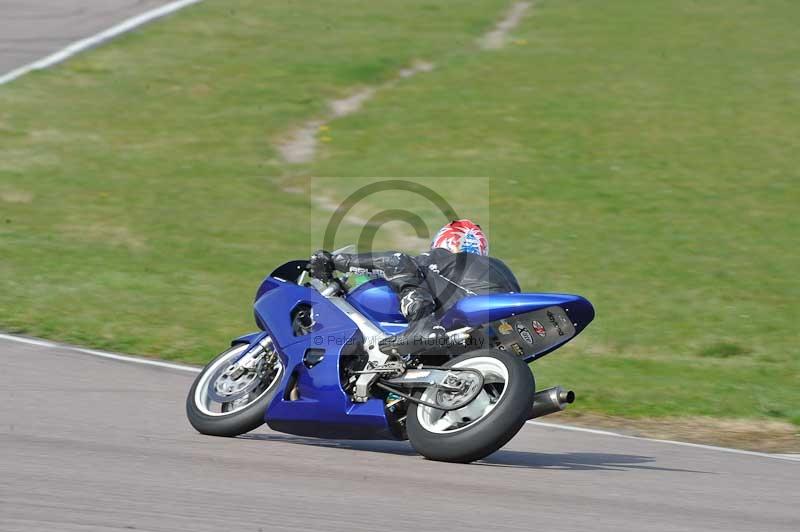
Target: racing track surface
[
  {"x": 90, "y": 444},
  {"x": 32, "y": 29}
]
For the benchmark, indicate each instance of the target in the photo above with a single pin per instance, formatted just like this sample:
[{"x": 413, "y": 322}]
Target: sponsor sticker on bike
[
  {"x": 555, "y": 322},
  {"x": 505, "y": 328},
  {"x": 539, "y": 329},
  {"x": 524, "y": 333},
  {"x": 517, "y": 349}
]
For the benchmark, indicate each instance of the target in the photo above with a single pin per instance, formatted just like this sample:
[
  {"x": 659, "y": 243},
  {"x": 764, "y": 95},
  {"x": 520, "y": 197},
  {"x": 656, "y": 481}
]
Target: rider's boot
[{"x": 421, "y": 334}]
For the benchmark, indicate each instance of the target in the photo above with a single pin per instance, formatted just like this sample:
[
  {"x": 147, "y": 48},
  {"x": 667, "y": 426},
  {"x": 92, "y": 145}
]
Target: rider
[{"x": 457, "y": 266}]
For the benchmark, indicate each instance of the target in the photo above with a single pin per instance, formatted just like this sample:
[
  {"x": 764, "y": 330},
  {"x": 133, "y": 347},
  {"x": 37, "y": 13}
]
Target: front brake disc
[{"x": 226, "y": 387}]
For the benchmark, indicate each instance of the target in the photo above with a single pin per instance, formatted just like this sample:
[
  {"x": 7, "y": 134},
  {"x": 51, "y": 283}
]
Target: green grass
[
  {"x": 138, "y": 206},
  {"x": 641, "y": 154}
]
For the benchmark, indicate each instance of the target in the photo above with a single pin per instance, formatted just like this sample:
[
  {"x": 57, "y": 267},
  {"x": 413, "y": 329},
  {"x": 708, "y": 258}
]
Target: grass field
[{"x": 642, "y": 154}]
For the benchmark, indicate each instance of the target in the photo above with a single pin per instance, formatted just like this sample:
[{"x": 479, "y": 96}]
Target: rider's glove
[{"x": 320, "y": 266}]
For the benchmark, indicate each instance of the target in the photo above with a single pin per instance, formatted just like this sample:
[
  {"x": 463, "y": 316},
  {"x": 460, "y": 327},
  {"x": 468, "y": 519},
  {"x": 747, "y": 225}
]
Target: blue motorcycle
[{"x": 315, "y": 368}]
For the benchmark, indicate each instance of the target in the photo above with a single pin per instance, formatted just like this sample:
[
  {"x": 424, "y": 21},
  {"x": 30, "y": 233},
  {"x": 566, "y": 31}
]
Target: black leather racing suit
[{"x": 432, "y": 282}]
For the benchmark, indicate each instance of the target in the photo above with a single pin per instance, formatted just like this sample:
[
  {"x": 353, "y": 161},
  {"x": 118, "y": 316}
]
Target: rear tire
[{"x": 488, "y": 433}]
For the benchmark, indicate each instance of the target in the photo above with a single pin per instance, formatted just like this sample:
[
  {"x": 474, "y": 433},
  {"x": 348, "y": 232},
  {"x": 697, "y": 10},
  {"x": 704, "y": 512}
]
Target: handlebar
[{"x": 327, "y": 290}]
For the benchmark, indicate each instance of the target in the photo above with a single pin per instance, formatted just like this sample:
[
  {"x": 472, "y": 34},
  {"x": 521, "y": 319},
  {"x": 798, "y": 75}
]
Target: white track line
[
  {"x": 192, "y": 369},
  {"x": 90, "y": 42},
  {"x": 101, "y": 354},
  {"x": 786, "y": 457}
]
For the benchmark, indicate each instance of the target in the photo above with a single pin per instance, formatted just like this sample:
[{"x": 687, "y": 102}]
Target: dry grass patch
[{"x": 769, "y": 436}]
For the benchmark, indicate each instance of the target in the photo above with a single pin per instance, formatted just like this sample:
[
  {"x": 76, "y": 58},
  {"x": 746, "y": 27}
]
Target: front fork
[{"x": 261, "y": 346}]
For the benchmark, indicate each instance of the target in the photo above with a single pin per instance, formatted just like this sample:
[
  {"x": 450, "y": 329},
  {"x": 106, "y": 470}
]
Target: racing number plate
[{"x": 528, "y": 335}]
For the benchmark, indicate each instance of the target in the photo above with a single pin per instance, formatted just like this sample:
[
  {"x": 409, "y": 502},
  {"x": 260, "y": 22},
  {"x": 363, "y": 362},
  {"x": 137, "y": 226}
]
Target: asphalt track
[
  {"x": 91, "y": 444},
  {"x": 32, "y": 29}
]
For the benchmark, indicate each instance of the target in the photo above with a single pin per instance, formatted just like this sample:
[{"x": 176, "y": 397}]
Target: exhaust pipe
[{"x": 550, "y": 401}]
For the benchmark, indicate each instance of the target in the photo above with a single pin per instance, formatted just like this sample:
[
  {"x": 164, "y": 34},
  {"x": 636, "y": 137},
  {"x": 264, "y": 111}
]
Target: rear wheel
[
  {"x": 225, "y": 403},
  {"x": 485, "y": 424}
]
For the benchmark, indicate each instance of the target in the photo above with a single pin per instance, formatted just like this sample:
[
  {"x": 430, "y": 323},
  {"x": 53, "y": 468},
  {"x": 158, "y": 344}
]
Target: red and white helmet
[{"x": 461, "y": 236}]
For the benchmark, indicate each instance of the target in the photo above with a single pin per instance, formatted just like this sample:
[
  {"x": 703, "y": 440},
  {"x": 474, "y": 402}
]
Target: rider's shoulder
[{"x": 436, "y": 255}]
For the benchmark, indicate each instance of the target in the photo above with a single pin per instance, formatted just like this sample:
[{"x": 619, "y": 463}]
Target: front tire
[
  {"x": 482, "y": 426},
  {"x": 229, "y": 419}
]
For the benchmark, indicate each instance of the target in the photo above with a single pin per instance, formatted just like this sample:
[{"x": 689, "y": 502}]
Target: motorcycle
[{"x": 315, "y": 367}]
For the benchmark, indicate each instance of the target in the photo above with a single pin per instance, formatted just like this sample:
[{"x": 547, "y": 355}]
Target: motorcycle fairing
[
  {"x": 477, "y": 310},
  {"x": 310, "y": 401},
  {"x": 376, "y": 300},
  {"x": 508, "y": 321}
]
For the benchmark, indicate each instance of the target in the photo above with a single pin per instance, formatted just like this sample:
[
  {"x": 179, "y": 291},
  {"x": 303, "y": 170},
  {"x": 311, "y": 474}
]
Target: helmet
[{"x": 461, "y": 236}]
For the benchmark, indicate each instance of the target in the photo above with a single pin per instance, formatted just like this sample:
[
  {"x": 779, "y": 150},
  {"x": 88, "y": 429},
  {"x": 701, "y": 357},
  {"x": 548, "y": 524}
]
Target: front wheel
[
  {"x": 226, "y": 403},
  {"x": 485, "y": 424}
]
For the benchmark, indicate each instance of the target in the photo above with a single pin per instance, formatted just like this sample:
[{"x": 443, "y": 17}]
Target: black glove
[{"x": 320, "y": 266}]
